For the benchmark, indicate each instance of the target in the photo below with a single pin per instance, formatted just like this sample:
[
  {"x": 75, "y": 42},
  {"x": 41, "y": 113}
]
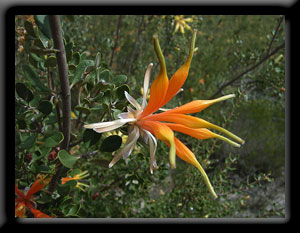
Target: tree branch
[
  {"x": 65, "y": 88},
  {"x": 141, "y": 27},
  {"x": 268, "y": 55},
  {"x": 275, "y": 33},
  {"x": 117, "y": 40}
]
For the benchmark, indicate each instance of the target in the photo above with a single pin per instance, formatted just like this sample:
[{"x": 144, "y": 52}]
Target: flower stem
[
  {"x": 192, "y": 46},
  {"x": 239, "y": 140},
  {"x": 206, "y": 180},
  {"x": 159, "y": 55}
]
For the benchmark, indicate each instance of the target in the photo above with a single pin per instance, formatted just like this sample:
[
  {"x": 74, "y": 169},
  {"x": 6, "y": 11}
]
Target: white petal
[
  {"x": 108, "y": 126},
  {"x": 129, "y": 109},
  {"x": 146, "y": 84},
  {"x": 153, "y": 146},
  {"x": 129, "y": 145},
  {"x": 180, "y": 90},
  {"x": 164, "y": 109},
  {"x": 132, "y": 101},
  {"x": 144, "y": 136},
  {"x": 125, "y": 115}
]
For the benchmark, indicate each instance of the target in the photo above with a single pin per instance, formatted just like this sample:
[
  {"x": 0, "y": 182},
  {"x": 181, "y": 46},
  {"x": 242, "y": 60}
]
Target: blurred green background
[{"x": 249, "y": 180}]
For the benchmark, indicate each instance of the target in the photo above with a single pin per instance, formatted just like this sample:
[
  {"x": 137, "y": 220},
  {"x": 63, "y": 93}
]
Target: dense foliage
[{"x": 107, "y": 55}]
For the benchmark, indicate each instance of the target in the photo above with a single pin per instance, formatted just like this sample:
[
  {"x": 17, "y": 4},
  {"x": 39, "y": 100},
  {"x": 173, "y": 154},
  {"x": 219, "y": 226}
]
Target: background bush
[{"x": 109, "y": 54}]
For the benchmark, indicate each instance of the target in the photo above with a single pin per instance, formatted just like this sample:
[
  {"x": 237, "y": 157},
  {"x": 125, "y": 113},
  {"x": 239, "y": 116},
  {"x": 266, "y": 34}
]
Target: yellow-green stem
[
  {"x": 206, "y": 180},
  {"x": 192, "y": 45},
  {"x": 159, "y": 55},
  {"x": 239, "y": 140}
]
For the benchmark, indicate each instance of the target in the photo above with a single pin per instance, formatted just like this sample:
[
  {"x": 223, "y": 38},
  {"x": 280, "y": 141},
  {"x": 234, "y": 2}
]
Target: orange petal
[
  {"x": 20, "y": 210},
  {"x": 37, "y": 213},
  {"x": 19, "y": 193},
  {"x": 192, "y": 122},
  {"x": 180, "y": 75},
  {"x": 184, "y": 153},
  {"x": 35, "y": 187},
  {"x": 66, "y": 179},
  {"x": 189, "y": 121},
  {"x": 200, "y": 133},
  {"x": 197, "y": 105},
  {"x": 159, "y": 86},
  {"x": 164, "y": 133}
]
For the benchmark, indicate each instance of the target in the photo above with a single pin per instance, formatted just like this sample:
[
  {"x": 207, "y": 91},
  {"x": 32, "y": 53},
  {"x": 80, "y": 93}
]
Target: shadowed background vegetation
[{"x": 109, "y": 54}]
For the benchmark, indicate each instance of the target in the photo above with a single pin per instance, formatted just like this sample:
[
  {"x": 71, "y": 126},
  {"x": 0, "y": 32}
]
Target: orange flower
[
  {"x": 27, "y": 200},
  {"x": 77, "y": 177},
  {"x": 142, "y": 122}
]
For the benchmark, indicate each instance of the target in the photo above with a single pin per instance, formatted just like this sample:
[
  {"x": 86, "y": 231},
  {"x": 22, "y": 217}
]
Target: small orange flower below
[{"x": 27, "y": 200}]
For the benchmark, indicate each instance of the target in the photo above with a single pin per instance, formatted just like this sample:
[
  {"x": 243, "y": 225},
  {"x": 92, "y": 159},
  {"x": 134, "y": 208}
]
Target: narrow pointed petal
[
  {"x": 179, "y": 77},
  {"x": 146, "y": 84},
  {"x": 163, "y": 133},
  {"x": 128, "y": 147},
  {"x": 125, "y": 115},
  {"x": 37, "y": 213},
  {"x": 200, "y": 133},
  {"x": 159, "y": 86},
  {"x": 187, "y": 155},
  {"x": 153, "y": 146},
  {"x": 102, "y": 127},
  {"x": 18, "y": 192},
  {"x": 35, "y": 187},
  {"x": 198, "y": 105},
  {"x": 66, "y": 179},
  {"x": 132, "y": 101},
  {"x": 192, "y": 122}
]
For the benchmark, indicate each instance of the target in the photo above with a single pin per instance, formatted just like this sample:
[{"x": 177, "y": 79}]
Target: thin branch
[
  {"x": 65, "y": 89},
  {"x": 141, "y": 27},
  {"x": 275, "y": 33},
  {"x": 117, "y": 40},
  {"x": 266, "y": 57}
]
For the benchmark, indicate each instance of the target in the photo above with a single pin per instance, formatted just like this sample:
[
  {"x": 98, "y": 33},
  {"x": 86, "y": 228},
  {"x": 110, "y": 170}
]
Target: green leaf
[
  {"x": 32, "y": 76},
  {"x": 54, "y": 140},
  {"x": 29, "y": 28},
  {"x": 24, "y": 92},
  {"x": 45, "y": 107},
  {"x": 75, "y": 58},
  {"x": 35, "y": 57},
  {"x": 83, "y": 65},
  {"x": 51, "y": 119},
  {"x": 34, "y": 102},
  {"x": 66, "y": 159},
  {"x": 97, "y": 108},
  {"x": 121, "y": 90},
  {"x": 42, "y": 22},
  {"x": 69, "y": 51},
  {"x": 74, "y": 210},
  {"x": 28, "y": 142},
  {"x": 102, "y": 85},
  {"x": 111, "y": 143},
  {"x": 83, "y": 109},
  {"x": 72, "y": 67},
  {"x": 119, "y": 79},
  {"x": 104, "y": 75},
  {"x": 45, "y": 151},
  {"x": 91, "y": 136},
  {"x": 39, "y": 43}
]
